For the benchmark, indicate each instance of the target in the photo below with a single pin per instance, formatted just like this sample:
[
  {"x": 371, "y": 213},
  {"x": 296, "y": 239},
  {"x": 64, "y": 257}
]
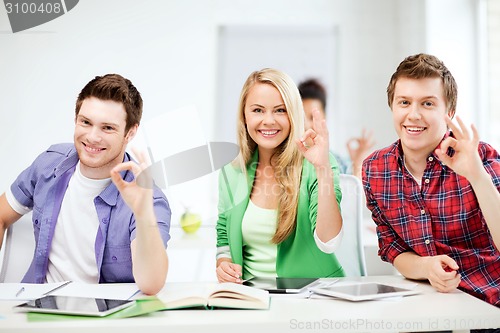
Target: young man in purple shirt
[
  {"x": 92, "y": 221},
  {"x": 434, "y": 193}
]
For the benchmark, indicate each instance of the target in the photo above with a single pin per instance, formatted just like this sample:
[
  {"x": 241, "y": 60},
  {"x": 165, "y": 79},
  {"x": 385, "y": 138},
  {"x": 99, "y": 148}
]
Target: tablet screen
[
  {"x": 74, "y": 305},
  {"x": 366, "y": 289},
  {"x": 280, "y": 284},
  {"x": 363, "y": 291}
]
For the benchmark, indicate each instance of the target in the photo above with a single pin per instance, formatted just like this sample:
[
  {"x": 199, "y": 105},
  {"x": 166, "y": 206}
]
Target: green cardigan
[{"x": 298, "y": 255}]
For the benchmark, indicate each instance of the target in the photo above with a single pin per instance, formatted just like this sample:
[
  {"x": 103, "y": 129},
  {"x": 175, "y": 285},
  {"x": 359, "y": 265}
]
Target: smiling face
[
  {"x": 99, "y": 137},
  {"x": 418, "y": 111},
  {"x": 266, "y": 117}
]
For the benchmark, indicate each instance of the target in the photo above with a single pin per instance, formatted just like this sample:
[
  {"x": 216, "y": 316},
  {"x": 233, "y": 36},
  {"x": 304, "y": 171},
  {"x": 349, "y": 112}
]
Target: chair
[
  {"x": 18, "y": 249},
  {"x": 351, "y": 252}
]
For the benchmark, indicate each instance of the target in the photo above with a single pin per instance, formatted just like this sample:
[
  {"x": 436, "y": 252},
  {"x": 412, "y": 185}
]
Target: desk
[{"x": 428, "y": 311}]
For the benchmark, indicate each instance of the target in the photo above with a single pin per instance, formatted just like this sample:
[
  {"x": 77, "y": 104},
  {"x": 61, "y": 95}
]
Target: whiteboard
[{"x": 302, "y": 52}]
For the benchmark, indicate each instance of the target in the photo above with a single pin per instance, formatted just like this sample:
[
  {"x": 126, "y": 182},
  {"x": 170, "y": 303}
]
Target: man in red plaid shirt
[{"x": 434, "y": 193}]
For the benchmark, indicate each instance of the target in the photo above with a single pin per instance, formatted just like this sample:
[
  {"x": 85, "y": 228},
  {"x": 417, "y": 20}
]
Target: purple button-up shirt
[{"x": 42, "y": 187}]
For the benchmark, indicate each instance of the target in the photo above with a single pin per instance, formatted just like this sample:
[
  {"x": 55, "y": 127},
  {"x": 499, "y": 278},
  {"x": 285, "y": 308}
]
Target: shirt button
[
  {"x": 105, "y": 221},
  {"x": 114, "y": 258},
  {"x": 427, "y": 180},
  {"x": 422, "y": 211},
  {"x": 431, "y": 158},
  {"x": 427, "y": 242}
]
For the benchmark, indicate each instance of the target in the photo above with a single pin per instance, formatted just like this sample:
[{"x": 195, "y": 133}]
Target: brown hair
[
  {"x": 313, "y": 89},
  {"x": 422, "y": 66},
  {"x": 114, "y": 87}
]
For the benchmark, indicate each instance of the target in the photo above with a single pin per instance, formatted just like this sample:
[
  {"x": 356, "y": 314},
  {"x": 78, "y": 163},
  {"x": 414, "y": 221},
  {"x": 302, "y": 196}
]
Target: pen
[
  {"x": 20, "y": 292},
  {"x": 58, "y": 287}
]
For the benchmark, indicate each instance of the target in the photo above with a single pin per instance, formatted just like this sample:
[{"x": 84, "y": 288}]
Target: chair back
[
  {"x": 18, "y": 250},
  {"x": 351, "y": 252}
]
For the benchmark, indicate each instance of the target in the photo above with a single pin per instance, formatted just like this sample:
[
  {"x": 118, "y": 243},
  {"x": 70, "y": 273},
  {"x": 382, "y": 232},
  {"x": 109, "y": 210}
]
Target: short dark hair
[
  {"x": 421, "y": 66},
  {"x": 313, "y": 89},
  {"x": 114, "y": 87}
]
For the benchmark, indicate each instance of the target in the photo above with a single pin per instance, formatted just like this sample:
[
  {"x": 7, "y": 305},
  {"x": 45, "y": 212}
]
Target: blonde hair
[{"x": 287, "y": 158}]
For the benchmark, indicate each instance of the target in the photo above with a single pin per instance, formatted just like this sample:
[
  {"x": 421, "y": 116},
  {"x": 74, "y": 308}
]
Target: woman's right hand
[{"x": 227, "y": 271}]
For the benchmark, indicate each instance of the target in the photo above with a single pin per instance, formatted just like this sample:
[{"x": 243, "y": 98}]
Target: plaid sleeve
[
  {"x": 390, "y": 244},
  {"x": 491, "y": 162}
]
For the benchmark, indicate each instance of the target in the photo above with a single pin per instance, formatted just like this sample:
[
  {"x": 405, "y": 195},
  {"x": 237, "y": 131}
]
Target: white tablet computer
[
  {"x": 363, "y": 291},
  {"x": 81, "y": 306}
]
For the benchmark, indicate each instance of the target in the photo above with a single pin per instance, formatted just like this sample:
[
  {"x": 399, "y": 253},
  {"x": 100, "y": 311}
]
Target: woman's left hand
[{"x": 314, "y": 143}]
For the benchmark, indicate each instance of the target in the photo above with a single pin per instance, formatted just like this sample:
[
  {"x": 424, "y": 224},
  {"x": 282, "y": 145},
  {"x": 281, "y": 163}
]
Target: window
[{"x": 492, "y": 77}]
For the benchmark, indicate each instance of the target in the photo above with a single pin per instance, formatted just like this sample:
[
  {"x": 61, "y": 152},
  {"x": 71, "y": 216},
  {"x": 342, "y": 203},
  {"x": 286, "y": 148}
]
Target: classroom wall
[{"x": 169, "y": 51}]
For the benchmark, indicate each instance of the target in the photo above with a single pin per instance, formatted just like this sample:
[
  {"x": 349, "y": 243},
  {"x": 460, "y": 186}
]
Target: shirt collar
[
  {"x": 68, "y": 163},
  {"x": 398, "y": 151},
  {"x": 111, "y": 193}
]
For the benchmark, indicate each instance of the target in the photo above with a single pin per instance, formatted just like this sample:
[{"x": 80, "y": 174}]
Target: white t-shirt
[{"x": 72, "y": 256}]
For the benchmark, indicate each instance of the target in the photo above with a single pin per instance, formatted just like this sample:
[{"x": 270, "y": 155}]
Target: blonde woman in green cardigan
[{"x": 279, "y": 200}]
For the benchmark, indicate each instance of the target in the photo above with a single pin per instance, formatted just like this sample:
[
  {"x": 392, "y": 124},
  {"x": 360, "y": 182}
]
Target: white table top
[{"x": 427, "y": 311}]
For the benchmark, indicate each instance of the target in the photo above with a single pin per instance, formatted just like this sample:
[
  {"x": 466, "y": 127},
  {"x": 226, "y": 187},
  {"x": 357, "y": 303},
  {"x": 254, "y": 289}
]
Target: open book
[{"x": 212, "y": 295}]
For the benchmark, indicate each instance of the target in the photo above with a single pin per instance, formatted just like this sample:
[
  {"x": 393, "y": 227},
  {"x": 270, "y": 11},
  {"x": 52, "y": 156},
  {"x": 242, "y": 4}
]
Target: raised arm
[
  {"x": 467, "y": 163},
  {"x": 329, "y": 220},
  {"x": 359, "y": 148},
  {"x": 149, "y": 258}
]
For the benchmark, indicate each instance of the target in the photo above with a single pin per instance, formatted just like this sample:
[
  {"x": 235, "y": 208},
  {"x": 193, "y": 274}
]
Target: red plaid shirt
[{"x": 440, "y": 217}]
